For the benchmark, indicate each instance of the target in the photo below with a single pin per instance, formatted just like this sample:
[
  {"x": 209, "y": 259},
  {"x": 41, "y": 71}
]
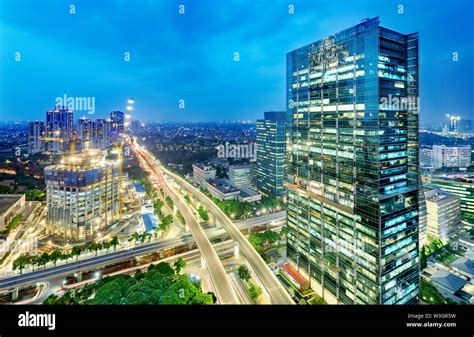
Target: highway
[
  {"x": 123, "y": 255},
  {"x": 223, "y": 288},
  {"x": 275, "y": 289}
]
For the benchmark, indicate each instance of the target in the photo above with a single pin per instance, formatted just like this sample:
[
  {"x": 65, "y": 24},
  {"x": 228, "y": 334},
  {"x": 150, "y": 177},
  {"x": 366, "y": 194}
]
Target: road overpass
[
  {"x": 124, "y": 255},
  {"x": 223, "y": 288},
  {"x": 275, "y": 289}
]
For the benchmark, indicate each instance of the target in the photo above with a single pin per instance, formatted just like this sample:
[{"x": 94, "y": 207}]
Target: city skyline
[{"x": 170, "y": 61}]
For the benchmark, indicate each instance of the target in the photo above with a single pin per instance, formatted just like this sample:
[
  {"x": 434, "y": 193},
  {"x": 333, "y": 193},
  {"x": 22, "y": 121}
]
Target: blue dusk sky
[{"x": 190, "y": 57}]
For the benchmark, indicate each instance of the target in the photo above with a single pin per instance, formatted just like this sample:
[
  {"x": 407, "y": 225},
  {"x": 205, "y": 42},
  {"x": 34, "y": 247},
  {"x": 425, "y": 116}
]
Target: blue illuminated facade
[{"x": 353, "y": 165}]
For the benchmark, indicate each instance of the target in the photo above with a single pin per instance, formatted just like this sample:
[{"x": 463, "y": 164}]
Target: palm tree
[
  {"x": 76, "y": 251},
  {"x": 114, "y": 242},
  {"x": 55, "y": 256}
]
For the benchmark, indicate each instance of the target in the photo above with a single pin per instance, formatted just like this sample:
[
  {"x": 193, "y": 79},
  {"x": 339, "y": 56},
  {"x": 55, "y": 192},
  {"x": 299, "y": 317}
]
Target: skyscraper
[
  {"x": 82, "y": 194},
  {"x": 98, "y": 133},
  {"x": 59, "y": 125},
  {"x": 271, "y": 147},
  {"x": 118, "y": 121},
  {"x": 36, "y": 131},
  {"x": 353, "y": 165}
]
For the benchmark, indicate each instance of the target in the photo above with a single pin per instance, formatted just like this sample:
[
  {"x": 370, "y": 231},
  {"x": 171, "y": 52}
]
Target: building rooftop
[
  {"x": 203, "y": 166},
  {"x": 464, "y": 264},
  {"x": 139, "y": 188},
  {"x": 247, "y": 192},
  {"x": 223, "y": 185},
  {"x": 439, "y": 195},
  {"x": 150, "y": 221},
  {"x": 8, "y": 200},
  {"x": 448, "y": 280}
]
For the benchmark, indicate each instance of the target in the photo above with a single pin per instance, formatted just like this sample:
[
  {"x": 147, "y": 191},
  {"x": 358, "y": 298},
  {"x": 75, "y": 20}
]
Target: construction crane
[{"x": 72, "y": 141}]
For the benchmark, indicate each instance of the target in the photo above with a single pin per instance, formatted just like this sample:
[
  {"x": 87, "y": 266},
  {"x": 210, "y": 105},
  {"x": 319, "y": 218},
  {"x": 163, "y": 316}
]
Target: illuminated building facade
[
  {"x": 271, "y": 155},
  {"x": 353, "y": 165},
  {"x": 59, "y": 125},
  {"x": 82, "y": 194}
]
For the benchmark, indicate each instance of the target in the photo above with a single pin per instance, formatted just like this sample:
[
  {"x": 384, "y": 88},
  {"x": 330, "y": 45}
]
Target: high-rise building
[
  {"x": 118, "y": 123},
  {"x": 451, "y": 156},
  {"x": 242, "y": 176},
  {"x": 461, "y": 185},
  {"x": 36, "y": 131},
  {"x": 443, "y": 215},
  {"x": 353, "y": 165},
  {"x": 59, "y": 125},
  {"x": 82, "y": 194},
  {"x": 98, "y": 132},
  {"x": 271, "y": 153}
]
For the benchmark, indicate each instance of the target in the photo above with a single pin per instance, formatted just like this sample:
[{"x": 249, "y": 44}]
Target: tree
[
  {"x": 134, "y": 237},
  {"x": 179, "y": 265},
  {"x": 43, "y": 259},
  {"x": 203, "y": 213},
  {"x": 255, "y": 291},
  {"x": 21, "y": 262},
  {"x": 55, "y": 256},
  {"x": 187, "y": 199},
  {"x": 244, "y": 273},
  {"x": 114, "y": 242},
  {"x": 76, "y": 251},
  {"x": 423, "y": 259}
]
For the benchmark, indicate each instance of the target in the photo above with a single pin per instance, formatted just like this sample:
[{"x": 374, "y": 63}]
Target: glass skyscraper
[
  {"x": 271, "y": 147},
  {"x": 353, "y": 165}
]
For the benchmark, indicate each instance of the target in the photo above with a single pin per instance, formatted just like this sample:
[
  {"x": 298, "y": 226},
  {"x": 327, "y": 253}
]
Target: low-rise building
[
  {"x": 202, "y": 173},
  {"x": 222, "y": 189},
  {"x": 249, "y": 195},
  {"x": 443, "y": 215},
  {"x": 10, "y": 206}
]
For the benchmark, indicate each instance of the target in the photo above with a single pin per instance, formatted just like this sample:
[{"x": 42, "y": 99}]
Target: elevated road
[
  {"x": 275, "y": 289},
  {"x": 124, "y": 255},
  {"x": 223, "y": 288}
]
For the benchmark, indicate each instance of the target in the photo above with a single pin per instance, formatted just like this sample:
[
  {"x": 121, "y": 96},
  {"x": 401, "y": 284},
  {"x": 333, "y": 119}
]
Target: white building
[
  {"x": 242, "y": 176},
  {"x": 202, "y": 173},
  {"x": 427, "y": 159},
  {"x": 456, "y": 156},
  {"x": 36, "y": 130},
  {"x": 443, "y": 215}
]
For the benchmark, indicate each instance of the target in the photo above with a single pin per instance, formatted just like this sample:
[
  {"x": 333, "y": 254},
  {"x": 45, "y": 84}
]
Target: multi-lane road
[
  {"x": 123, "y": 255},
  {"x": 223, "y": 288},
  {"x": 276, "y": 291}
]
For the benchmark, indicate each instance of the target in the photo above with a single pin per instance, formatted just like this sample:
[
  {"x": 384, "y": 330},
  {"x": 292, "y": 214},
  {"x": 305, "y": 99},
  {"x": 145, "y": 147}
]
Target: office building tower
[
  {"x": 81, "y": 195},
  {"x": 242, "y": 176},
  {"x": 36, "y": 131},
  {"x": 443, "y": 215},
  {"x": 271, "y": 153},
  {"x": 451, "y": 156},
  {"x": 353, "y": 165},
  {"x": 461, "y": 185},
  {"x": 465, "y": 125},
  {"x": 58, "y": 129}
]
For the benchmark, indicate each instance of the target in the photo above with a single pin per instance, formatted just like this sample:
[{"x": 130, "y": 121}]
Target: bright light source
[
  {"x": 129, "y": 108},
  {"x": 128, "y": 116},
  {"x": 131, "y": 101},
  {"x": 97, "y": 274}
]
